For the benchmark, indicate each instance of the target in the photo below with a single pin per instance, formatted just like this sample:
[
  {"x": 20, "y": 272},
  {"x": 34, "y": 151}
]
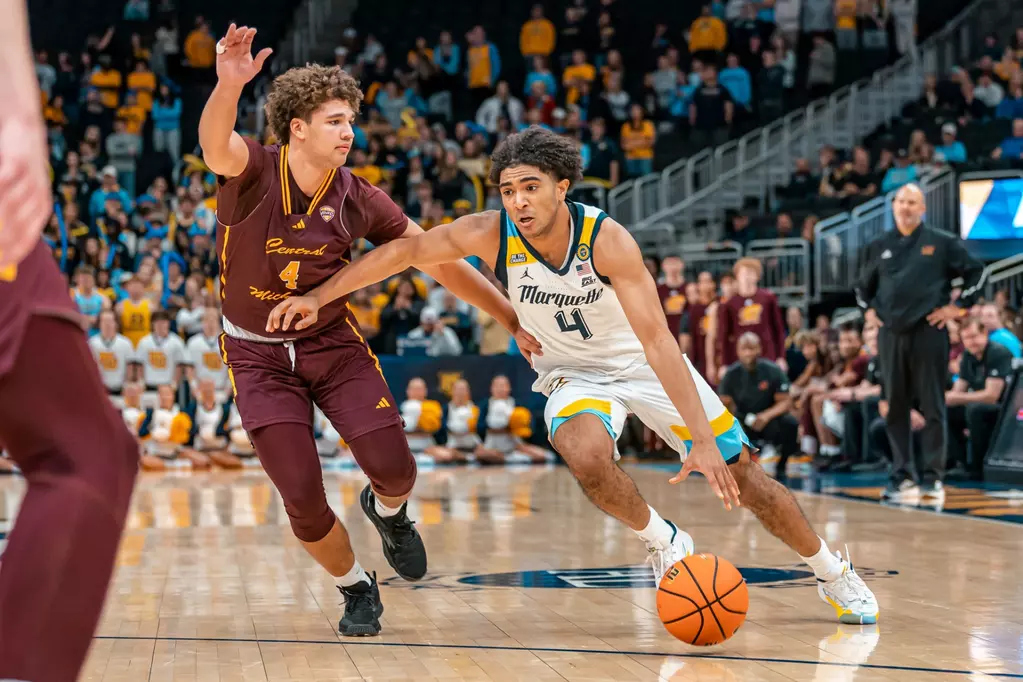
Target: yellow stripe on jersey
[
  {"x": 324, "y": 186},
  {"x": 348, "y": 319},
  {"x": 577, "y": 406},
  {"x": 718, "y": 426},
  {"x": 223, "y": 263},
  {"x": 282, "y": 170},
  {"x": 586, "y": 236},
  {"x": 223, "y": 355},
  {"x": 517, "y": 252}
]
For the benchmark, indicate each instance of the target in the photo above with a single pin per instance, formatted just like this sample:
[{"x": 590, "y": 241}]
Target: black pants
[
  {"x": 980, "y": 421},
  {"x": 783, "y": 433},
  {"x": 915, "y": 364},
  {"x": 856, "y": 444},
  {"x": 879, "y": 446}
]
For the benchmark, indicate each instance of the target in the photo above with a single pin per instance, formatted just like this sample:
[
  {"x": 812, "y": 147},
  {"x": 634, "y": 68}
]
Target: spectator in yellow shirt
[
  {"x": 107, "y": 80},
  {"x": 133, "y": 114},
  {"x": 707, "y": 33},
  {"x": 361, "y": 167},
  {"x": 200, "y": 46},
  {"x": 143, "y": 82},
  {"x": 638, "y": 138},
  {"x": 537, "y": 36},
  {"x": 575, "y": 74}
]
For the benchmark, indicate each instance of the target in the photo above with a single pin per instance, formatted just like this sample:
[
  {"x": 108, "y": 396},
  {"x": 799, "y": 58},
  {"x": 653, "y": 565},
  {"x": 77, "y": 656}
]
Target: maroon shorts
[
  {"x": 34, "y": 286},
  {"x": 335, "y": 369}
]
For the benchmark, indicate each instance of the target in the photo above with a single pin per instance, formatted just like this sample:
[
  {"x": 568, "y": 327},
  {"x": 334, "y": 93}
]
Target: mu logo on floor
[{"x": 618, "y": 577}]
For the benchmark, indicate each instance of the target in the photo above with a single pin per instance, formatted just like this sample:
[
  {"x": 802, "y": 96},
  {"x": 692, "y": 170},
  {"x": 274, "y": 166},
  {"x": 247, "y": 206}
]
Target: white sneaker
[
  {"x": 906, "y": 491},
  {"x": 662, "y": 559},
  {"x": 852, "y": 600}
]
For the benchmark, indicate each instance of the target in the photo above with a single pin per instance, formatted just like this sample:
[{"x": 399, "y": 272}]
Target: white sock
[
  {"x": 824, "y": 563},
  {"x": 831, "y": 450},
  {"x": 809, "y": 445},
  {"x": 658, "y": 533},
  {"x": 353, "y": 576},
  {"x": 384, "y": 511}
]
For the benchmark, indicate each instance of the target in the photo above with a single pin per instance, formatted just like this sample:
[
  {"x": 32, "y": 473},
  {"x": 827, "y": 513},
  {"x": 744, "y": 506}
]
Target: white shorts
[{"x": 641, "y": 394}]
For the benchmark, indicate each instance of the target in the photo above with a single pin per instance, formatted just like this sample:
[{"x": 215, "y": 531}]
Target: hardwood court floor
[{"x": 529, "y": 582}]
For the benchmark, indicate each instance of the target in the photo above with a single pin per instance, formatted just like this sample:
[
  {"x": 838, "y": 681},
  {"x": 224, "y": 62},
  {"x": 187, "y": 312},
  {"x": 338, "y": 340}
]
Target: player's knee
[
  {"x": 384, "y": 456},
  {"x": 310, "y": 516},
  {"x": 586, "y": 447}
]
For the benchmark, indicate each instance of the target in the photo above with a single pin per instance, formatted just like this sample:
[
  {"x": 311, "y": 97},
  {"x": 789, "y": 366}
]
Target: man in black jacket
[{"x": 906, "y": 286}]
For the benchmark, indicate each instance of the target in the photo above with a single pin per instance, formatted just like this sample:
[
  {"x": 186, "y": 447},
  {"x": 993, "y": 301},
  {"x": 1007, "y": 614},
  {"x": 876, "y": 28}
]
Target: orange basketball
[{"x": 702, "y": 600}]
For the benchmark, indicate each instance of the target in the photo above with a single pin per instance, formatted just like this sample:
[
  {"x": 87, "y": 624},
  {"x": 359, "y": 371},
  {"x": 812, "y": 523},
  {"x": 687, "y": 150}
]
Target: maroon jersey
[
  {"x": 760, "y": 314},
  {"x": 699, "y": 327},
  {"x": 673, "y": 300},
  {"x": 33, "y": 286},
  {"x": 274, "y": 242}
]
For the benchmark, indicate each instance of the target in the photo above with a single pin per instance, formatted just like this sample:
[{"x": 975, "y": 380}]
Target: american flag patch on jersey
[{"x": 583, "y": 269}]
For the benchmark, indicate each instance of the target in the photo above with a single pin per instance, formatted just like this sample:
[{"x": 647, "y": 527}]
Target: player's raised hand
[
  {"x": 307, "y": 308},
  {"x": 708, "y": 461},
  {"x": 25, "y": 199},
  {"x": 235, "y": 64}
]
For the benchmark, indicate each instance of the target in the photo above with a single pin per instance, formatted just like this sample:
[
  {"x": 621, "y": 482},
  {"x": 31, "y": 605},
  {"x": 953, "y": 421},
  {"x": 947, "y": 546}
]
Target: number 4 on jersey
[
  {"x": 289, "y": 275},
  {"x": 578, "y": 323}
]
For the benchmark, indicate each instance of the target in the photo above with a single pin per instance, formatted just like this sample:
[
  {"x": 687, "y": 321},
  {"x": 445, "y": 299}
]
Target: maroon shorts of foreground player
[
  {"x": 80, "y": 464},
  {"x": 278, "y": 382}
]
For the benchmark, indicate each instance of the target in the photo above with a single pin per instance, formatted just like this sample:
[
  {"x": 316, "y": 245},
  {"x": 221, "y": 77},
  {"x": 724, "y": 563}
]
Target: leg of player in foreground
[{"x": 80, "y": 463}]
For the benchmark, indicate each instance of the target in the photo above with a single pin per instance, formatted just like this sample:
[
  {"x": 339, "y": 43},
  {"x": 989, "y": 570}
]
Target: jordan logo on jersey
[{"x": 535, "y": 295}]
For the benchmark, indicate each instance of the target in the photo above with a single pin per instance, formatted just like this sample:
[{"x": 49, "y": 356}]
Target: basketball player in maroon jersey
[
  {"x": 56, "y": 421},
  {"x": 288, "y": 215},
  {"x": 750, "y": 309},
  {"x": 700, "y": 321}
]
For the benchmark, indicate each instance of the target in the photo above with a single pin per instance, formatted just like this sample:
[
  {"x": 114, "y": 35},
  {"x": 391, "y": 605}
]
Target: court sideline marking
[{"x": 555, "y": 650}]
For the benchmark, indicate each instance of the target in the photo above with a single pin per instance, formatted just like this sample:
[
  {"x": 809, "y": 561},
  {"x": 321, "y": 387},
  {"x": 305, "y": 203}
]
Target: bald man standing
[{"x": 906, "y": 287}]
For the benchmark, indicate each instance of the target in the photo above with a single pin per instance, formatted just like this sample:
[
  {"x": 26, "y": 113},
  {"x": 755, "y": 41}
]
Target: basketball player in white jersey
[
  {"x": 161, "y": 354},
  {"x": 113, "y": 353},
  {"x": 578, "y": 283},
  {"x": 203, "y": 355}
]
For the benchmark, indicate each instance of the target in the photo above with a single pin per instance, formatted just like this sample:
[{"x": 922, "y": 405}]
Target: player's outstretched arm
[
  {"x": 25, "y": 199},
  {"x": 223, "y": 149},
  {"x": 618, "y": 257},
  {"x": 439, "y": 253}
]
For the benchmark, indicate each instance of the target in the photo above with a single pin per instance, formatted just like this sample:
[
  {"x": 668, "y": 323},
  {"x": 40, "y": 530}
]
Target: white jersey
[
  {"x": 206, "y": 424},
  {"x": 204, "y": 355},
  {"x": 160, "y": 358},
  {"x": 112, "y": 357},
  {"x": 570, "y": 308}
]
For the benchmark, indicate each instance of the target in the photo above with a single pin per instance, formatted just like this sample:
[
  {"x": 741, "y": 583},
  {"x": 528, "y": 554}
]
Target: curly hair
[
  {"x": 535, "y": 146},
  {"x": 298, "y": 92}
]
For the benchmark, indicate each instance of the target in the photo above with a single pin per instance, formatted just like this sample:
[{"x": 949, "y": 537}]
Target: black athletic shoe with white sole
[
  {"x": 403, "y": 546},
  {"x": 363, "y": 609}
]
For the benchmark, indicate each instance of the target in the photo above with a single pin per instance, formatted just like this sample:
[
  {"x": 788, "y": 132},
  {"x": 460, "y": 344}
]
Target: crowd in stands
[
  {"x": 816, "y": 391},
  {"x": 134, "y": 220}
]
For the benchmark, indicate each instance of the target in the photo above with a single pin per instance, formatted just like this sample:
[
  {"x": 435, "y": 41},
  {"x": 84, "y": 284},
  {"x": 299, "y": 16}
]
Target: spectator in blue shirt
[
  {"x": 543, "y": 74},
  {"x": 951, "y": 149},
  {"x": 991, "y": 316},
  {"x": 736, "y": 79},
  {"x": 88, "y": 300},
  {"x": 902, "y": 173},
  {"x": 1011, "y": 147},
  {"x": 1011, "y": 105},
  {"x": 447, "y": 55},
  {"x": 167, "y": 122},
  {"x": 109, "y": 189}
]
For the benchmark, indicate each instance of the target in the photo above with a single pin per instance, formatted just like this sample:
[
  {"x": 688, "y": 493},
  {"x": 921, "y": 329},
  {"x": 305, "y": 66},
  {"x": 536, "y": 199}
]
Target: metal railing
[
  {"x": 786, "y": 264},
  {"x": 750, "y": 166},
  {"x": 838, "y": 248},
  {"x": 1005, "y": 275},
  {"x": 717, "y": 259}
]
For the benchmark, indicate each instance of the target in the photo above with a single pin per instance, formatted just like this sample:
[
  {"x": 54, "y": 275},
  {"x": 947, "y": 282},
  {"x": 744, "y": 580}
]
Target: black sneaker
[
  {"x": 363, "y": 609},
  {"x": 403, "y": 546}
]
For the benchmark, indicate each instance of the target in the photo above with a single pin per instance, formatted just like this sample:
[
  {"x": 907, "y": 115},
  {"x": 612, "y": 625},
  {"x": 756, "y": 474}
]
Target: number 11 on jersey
[{"x": 578, "y": 323}]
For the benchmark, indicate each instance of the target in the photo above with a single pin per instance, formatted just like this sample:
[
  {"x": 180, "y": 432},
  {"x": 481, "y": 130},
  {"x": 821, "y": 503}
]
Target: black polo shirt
[
  {"x": 753, "y": 392},
  {"x": 996, "y": 363}
]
